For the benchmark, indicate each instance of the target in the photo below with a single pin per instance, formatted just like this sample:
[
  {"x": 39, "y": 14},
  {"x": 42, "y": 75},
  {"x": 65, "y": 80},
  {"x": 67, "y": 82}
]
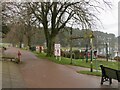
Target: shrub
[
  {"x": 82, "y": 54},
  {"x": 62, "y": 53},
  {"x": 76, "y": 54},
  {"x": 67, "y": 54},
  {"x": 33, "y": 48},
  {"x": 45, "y": 50}
]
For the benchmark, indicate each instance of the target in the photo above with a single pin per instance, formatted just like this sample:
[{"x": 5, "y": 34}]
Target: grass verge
[
  {"x": 80, "y": 62},
  {"x": 95, "y": 73}
]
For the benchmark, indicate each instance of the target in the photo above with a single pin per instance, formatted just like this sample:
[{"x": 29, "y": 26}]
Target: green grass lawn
[
  {"x": 90, "y": 73},
  {"x": 79, "y": 62},
  {"x": 62, "y": 61}
]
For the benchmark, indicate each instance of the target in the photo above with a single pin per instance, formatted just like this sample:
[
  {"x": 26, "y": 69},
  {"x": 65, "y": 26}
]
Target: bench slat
[{"x": 111, "y": 73}]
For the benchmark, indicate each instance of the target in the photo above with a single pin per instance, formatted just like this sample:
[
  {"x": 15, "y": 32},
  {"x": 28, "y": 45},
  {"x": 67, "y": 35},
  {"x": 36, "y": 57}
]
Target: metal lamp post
[
  {"x": 71, "y": 46},
  {"x": 91, "y": 42},
  {"x": 106, "y": 51},
  {"x": 91, "y": 66},
  {"x": 86, "y": 53}
]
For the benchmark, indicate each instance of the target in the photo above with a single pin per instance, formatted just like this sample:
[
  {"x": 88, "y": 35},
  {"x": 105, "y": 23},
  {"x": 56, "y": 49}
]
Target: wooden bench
[
  {"x": 11, "y": 59},
  {"x": 8, "y": 58},
  {"x": 108, "y": 74}
]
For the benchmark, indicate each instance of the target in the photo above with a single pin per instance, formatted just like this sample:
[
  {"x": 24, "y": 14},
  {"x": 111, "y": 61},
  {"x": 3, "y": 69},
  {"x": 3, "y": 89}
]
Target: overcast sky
[{"x": 109, "y": 19}]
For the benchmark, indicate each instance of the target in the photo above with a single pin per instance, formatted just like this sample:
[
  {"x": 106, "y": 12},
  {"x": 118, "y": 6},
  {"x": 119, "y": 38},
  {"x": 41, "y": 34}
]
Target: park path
[{"x": 39, "y": 73}]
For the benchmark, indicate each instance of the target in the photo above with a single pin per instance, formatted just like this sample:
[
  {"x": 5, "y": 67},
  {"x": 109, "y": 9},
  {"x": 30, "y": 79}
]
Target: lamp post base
[{"x": 91, "y": 67}]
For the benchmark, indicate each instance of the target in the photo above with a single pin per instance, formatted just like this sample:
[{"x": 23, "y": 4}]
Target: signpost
[
  {"x": 57, "y": 51},
  {"x": 39, "y": 49},
  {"x": 106, "y": 51}
]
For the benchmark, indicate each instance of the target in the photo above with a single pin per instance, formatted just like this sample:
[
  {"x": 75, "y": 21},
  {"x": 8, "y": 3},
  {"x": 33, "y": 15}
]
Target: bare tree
[
  {"x": 19, "y": 12},
  {"x": 54, "y": 16}
]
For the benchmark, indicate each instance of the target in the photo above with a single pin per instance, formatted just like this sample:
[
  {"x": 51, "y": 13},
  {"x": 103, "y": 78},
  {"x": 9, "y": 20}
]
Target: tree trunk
[
  {"x": 50, "y": 46},
  {"x": 29, "y": 42},
  {"x": 20, "y": 44}
]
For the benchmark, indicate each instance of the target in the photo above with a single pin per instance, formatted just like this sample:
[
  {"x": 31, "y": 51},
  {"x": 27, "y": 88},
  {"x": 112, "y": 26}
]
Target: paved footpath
[{"x": 39, "y": 73}]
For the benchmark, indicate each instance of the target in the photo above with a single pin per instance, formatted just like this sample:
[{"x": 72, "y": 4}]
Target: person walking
[{"x": 19, "y": 56}]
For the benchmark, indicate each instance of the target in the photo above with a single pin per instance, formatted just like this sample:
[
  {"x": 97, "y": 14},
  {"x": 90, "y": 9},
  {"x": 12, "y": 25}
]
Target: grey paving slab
[
  {"x": 0, "y": 75},
  {"x": 11, "y": 76}
]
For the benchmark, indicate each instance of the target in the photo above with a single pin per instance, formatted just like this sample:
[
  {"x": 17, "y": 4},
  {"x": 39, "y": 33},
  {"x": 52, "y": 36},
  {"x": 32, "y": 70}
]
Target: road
[{"x": 41, "y": 73}]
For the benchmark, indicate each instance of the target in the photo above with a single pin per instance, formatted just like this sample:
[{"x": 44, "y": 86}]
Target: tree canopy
[{"x": 55, "y": 15}]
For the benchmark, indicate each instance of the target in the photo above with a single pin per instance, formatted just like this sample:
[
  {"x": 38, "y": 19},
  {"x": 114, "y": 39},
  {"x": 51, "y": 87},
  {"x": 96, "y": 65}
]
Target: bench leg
[
  {"x": 110, "y": 79},
  {"x": 102, "y": 79}
]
